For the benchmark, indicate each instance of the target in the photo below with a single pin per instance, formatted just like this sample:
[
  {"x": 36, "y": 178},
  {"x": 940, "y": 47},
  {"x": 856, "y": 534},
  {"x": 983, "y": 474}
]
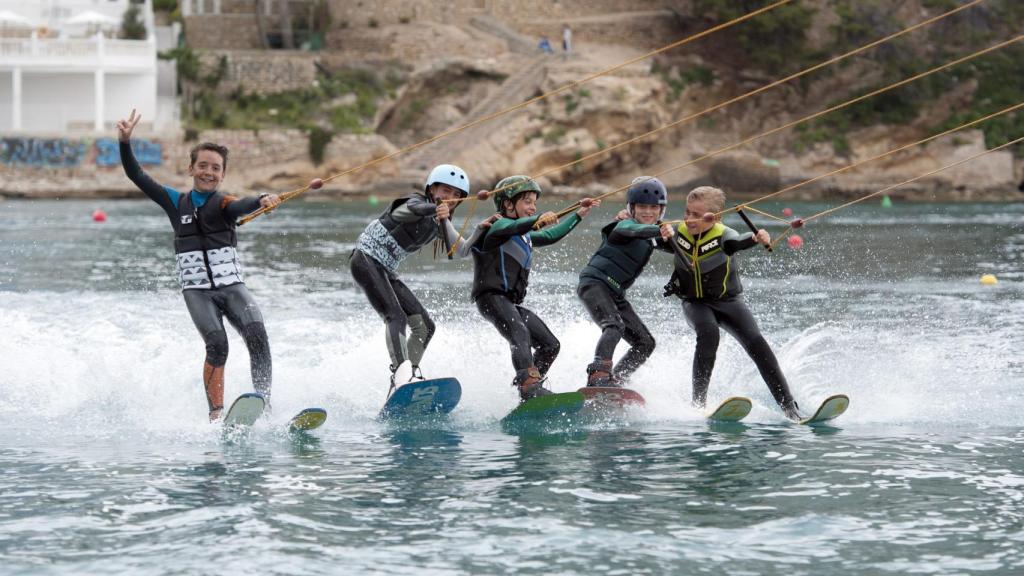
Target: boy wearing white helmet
[{"x": 408, "y": 224}]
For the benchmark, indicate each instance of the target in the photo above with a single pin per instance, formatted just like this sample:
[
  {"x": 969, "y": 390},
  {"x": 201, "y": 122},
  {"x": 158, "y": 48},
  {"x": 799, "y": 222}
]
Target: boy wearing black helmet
[
  {"x": 626, "y": 246},
  {"x": 407, "y": 225},
  {"x": 501, "y": 268}
]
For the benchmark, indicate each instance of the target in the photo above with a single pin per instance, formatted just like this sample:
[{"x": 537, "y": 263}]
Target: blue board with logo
[{"x": 422, "y": 398}]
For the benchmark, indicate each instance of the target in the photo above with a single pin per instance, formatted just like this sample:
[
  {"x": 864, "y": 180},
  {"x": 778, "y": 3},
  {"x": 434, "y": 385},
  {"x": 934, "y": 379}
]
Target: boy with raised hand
[
  {"x": 707, "y": 279},
  {"x": 626, "y": 247},
  {"x": 208, "y": 268},
  {"x": 502, "y": 257}
]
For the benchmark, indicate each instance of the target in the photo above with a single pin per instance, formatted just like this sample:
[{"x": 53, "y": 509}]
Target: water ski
[
  {"x": 422, "y": 397},
  {"x": 604, "y": 397},
  {"x": 832, "y": 407},
  {"x": 731, "y": 409},
  {"x": 308, "y": 419},
  {"x": 546, "y": 407},
  {"x": 245, "y": 410}
]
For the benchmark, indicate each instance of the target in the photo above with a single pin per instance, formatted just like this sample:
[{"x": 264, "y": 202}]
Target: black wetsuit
[
  {"x": 501, "y": 268},
  {"x": 405, "y": 227},
  {"x": 626, "y": 247},
  {"x": 204, "y": 226},
  {"x": 707, "y": 279}
]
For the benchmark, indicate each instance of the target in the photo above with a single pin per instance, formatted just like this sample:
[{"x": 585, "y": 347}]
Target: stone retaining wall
[{"x": 263, "y": 72}]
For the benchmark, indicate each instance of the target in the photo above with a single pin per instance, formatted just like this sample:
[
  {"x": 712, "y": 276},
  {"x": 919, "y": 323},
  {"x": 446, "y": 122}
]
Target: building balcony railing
[{"x": 91, "y": 53}]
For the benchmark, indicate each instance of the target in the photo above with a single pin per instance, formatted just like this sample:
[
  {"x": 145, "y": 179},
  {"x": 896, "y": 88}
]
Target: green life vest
[{"x": 702, "y": 268}]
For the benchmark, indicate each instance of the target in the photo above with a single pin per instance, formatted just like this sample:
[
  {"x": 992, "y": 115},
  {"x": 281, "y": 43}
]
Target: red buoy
[
  {"x": 708, "y": 217},
  {"x": 787, "y": 211},
  {"x": 482, "y": 195},
  {"x": 795, "y": 241},
  {"x": 316, "y": 183},
  {"x": 99, "y": 215}
]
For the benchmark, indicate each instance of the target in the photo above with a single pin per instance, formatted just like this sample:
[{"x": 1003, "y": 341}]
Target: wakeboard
[
  {"x": 546, "y": 407},
  {"x": 731, "y": 409},
  {"x": 308, "y": 419},
  {"x": 422, "y": 397},
  {"x": 610, "y": 398},
  {"x": 245, "y": 410},
  {"x": 832, "y": 407}
]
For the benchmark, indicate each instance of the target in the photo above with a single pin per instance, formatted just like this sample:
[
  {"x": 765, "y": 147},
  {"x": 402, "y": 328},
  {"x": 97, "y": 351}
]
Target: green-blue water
[{"x": 107, "y": 465}]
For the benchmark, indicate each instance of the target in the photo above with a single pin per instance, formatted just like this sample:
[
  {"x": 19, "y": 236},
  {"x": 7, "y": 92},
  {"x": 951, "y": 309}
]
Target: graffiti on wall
[
  {"x": 65, "y": 153},
  {"x": 42, "y": 152},
  {"x": 146, "y": 152}
]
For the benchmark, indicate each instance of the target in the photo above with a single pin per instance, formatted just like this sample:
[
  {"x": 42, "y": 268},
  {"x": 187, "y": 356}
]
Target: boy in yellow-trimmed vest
[{"x": 707, "y": 279}]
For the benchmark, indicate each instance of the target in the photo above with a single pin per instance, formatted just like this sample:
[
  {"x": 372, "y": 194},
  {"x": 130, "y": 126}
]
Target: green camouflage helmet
[{"x": 511, "y": 187}]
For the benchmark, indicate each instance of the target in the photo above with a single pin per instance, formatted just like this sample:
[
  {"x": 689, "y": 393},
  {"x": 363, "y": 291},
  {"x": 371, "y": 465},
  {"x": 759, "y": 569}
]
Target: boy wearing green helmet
[{"x": 501, "y": 268}]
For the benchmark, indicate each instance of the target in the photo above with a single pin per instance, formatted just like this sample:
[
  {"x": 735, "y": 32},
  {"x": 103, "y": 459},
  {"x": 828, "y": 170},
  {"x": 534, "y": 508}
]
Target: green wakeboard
[{"x": 545, "y": 408}]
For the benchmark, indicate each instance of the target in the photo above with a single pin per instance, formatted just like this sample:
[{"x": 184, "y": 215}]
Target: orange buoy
[
  {"x": 99, "y": 215},
  {"x": 795, "y": 241}
]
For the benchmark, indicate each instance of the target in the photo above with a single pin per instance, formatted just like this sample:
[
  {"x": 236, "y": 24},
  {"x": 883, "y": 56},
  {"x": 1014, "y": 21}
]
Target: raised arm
[{"x": 165, "y": 197}]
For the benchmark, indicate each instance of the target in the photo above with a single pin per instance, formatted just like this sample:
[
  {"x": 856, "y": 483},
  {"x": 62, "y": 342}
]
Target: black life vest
[{"x": 618, "y": 265}]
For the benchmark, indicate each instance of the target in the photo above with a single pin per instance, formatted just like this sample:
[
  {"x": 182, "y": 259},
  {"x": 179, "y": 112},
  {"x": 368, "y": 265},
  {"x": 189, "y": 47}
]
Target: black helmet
[{"x": 646, "y": 190}]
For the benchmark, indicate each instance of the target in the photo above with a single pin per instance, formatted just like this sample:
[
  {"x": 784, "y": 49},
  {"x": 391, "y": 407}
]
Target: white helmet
[{"x": 451, "y": 175}]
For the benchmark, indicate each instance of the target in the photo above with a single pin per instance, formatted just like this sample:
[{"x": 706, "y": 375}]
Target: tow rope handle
[{"x": 739, "y": 210}]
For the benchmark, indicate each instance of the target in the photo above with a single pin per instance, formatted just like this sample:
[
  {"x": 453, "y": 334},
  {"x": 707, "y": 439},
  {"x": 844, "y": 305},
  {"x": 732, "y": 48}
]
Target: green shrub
[
  {"x": 318, "y": 141},
  {"x": 773, "y": 41}
]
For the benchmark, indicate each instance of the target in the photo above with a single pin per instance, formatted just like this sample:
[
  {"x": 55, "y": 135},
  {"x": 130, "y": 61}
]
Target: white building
[{"x": 63, "y": 69}]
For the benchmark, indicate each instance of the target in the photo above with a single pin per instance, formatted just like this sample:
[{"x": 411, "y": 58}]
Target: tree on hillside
[{"x": 132, "y": 26}]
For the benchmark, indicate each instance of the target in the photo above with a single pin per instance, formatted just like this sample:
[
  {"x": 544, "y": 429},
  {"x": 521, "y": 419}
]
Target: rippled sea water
[{"x": 108, "y": 466}]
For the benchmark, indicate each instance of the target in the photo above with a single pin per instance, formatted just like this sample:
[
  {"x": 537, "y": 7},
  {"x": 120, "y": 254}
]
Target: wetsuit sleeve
[
  {"x": 506, "y": 228},
  {"x": 733, "y": 241},
  {"x": 167, "y": 198},
  {"x": 465, "y": 245},
  {"x": 629, "y": 230},
  {"x": 553, "y": 234},
  {"x": 234, "y": 207},
  {"x": 419, "y": 206}
]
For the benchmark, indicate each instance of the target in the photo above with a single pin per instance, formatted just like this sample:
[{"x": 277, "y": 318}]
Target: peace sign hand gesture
[{"x": 125, "y": 127}]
